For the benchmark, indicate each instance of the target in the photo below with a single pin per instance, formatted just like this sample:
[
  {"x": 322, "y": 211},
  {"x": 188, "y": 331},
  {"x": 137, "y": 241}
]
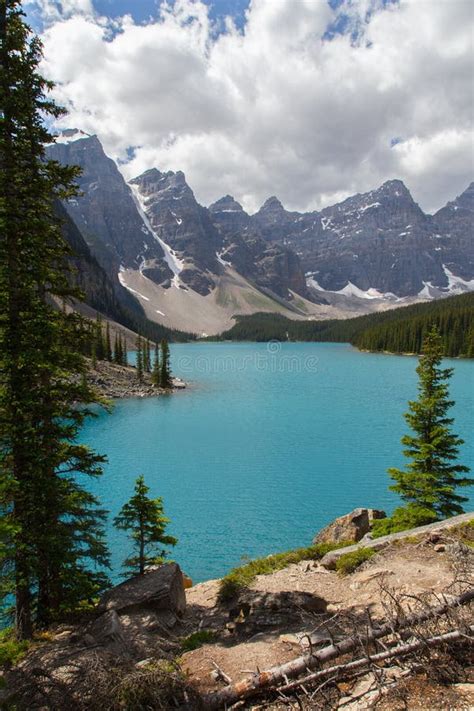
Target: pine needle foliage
[
  {"x": 430, "y": 481},
  {"x": 51, "y": 528},
  {"x": 146, "y": 523}
]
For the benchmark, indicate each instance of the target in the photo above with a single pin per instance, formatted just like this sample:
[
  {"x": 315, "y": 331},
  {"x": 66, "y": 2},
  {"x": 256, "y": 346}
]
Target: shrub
[
  {"x": 402, "y": 519},
  {"x": 11, "y": 650},
  {"x": 348, "y": 562},
  {"x": 240, "y": 578},
  {"x": 197, "y": 639},
  {"x": 465, "y": 533}
]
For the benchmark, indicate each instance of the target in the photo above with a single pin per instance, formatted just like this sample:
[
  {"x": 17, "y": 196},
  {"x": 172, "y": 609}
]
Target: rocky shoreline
[{"x": 115, "y": 382}]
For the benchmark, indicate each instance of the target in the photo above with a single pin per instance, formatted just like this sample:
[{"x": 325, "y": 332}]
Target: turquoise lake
[{"x": 267, "y": 444}]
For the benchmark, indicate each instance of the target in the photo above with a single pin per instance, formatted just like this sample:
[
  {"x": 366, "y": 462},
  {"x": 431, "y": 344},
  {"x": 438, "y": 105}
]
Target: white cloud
[
  {"x": 277, "y": 109},
  {"x": 54, "y": 10}
]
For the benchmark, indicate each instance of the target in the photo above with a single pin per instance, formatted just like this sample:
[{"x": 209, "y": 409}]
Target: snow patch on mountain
[
  {"x": 353, "y": 291},
  {"x": 456, "y": 284},
  {"x": 175, "y": 264},
  {"x": 121, "y": 279},
  {"x": 221, "y": 260}
]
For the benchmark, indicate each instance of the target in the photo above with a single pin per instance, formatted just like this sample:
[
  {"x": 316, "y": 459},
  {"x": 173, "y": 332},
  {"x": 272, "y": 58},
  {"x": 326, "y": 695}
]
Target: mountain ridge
[{"x": 371, "y": 251}]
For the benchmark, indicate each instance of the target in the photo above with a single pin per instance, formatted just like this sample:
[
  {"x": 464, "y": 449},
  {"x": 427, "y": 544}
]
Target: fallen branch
[
  {"x": 400, "y": 651},
  {"x": 273, "y": 677},
  {"x": 220, "y": 673}
]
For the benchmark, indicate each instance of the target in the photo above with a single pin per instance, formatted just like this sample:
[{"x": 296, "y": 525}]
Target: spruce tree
[
  {"x": 108, "y": 345},
  {"x": 116, "y": 350},
  {"x": 144, "y": 518},
  {"x": 139, "y": 362},
  {"x": 165, "y": 368},
  {"x": 100, "y": 345},
  {"x": 430, "y": 482},
  {"x": 123, "y": 346},
  {"x": 50, "y": 527},
  {"x": 156, "y": 372}
]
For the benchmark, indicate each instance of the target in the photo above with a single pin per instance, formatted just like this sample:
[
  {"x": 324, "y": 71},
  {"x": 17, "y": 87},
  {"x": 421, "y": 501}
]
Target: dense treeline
[
  {"x": 397, "y": 331},
  {"x": 158, "y": 367},
  {"x": 53, "y": 553},
  {"x": 96, "y": 343}
]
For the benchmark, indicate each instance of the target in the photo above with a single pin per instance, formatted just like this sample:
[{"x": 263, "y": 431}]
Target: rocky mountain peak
[
  {"x": 396, "y": 187},
  {"x": 68, "y": 135},
  {"x": 226, "y": 204},
  {"x": 105, "y": 212},
  {"x": 153, "y": 181},
  {"x": 466, "y": 199},
  {"x": 272, "y": 204},
  {"x": 182, "y": 225}
]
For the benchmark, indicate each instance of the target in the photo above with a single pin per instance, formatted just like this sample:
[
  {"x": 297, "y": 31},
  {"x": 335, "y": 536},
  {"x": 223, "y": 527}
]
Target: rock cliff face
[
  {"x": 184, "y": 227},
  {"x": 380, "y": 240},
  {"x": 105, "y": 212},
  {"x": 454, "y": 224},
  {"x": 100, "y": 292},
  {"x": 270, "y": 266}
]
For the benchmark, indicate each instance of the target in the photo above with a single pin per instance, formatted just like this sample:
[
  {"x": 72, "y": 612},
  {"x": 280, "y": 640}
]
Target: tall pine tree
[
  {"x": 50, "y": 526},
  {"x": 139, "y": 361},
  {"x": 429, "y": 484},
  {"x": 156, "y": 372},
  {"x": 108, "y": 344},
  {"x": 165, "y": 368}
]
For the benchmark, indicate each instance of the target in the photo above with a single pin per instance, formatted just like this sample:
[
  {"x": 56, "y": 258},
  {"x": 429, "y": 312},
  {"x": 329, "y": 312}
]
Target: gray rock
[
  {"x": 105, "y": 630},
  {"x": 160, "y": 590},
  {"x": 351, "y": 527},
  {"x": 105, "y": 212},
  {"x": 380, "y": 239},
  {"x": 261, "y": 611}
]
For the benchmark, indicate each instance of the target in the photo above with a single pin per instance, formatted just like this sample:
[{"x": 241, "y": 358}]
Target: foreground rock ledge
[{"x": 161, "y": 589}]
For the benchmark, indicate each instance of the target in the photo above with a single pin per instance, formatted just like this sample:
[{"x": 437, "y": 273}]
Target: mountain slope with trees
[{"x": 397, "y": 331}]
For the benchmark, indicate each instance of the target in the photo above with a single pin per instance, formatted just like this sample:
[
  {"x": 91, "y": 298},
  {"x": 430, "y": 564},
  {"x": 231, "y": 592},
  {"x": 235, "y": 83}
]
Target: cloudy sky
[{"x": 309, "y": 100}]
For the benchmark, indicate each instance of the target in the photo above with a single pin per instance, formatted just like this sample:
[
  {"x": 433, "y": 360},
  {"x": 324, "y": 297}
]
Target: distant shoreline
[{"x": 118, "y": 382}]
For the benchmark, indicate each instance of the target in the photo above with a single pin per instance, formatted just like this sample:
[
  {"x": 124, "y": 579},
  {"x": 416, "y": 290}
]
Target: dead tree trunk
[
  {"x": 401, "y": 650},
  {"x": 272, "y": 677}
]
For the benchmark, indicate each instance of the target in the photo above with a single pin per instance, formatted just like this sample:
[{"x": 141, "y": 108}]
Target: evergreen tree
[
  {"x": 429, "y": 484},
  {"x": 147, "y": 356},
  {"x": 165, "y": 369},
  {"x": 108, "y": 346},
  {"x": 50, "y": 527},
  {"x": 145, "y": 520},
  {"x": 156, "y": 373},
  {"x": 100, "y": 345},
  {"x": 118, "y": 353},
  {"x": 123, "y": 342},
  {"x": 139, "y": 365}
]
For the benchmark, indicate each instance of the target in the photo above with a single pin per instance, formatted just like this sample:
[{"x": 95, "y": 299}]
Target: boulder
[
  {"x": 262, "y": 611},
  {"x": 105, "y": 631},
  {"x": 158, "y": 590},
  {"x": 351, "y": 527}
]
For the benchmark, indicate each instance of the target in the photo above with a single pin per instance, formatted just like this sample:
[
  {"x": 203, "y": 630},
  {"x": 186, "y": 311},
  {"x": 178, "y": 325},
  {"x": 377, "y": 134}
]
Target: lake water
[{"x": 267, "y": 445}]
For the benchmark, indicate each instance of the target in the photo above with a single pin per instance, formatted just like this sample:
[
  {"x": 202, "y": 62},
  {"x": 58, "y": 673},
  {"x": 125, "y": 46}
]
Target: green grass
[
  {"x": 197, "y": 639},
  {"x": 348, "y": 562},
  {"x": 465, "y": 533},
  {"x": 403, "y": 519},
  {"x": 11, "y": 650},
  {"x": 242, "y": 577}
]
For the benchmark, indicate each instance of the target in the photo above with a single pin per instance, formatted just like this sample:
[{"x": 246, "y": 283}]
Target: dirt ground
[{"x": 414, "y": 569}]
